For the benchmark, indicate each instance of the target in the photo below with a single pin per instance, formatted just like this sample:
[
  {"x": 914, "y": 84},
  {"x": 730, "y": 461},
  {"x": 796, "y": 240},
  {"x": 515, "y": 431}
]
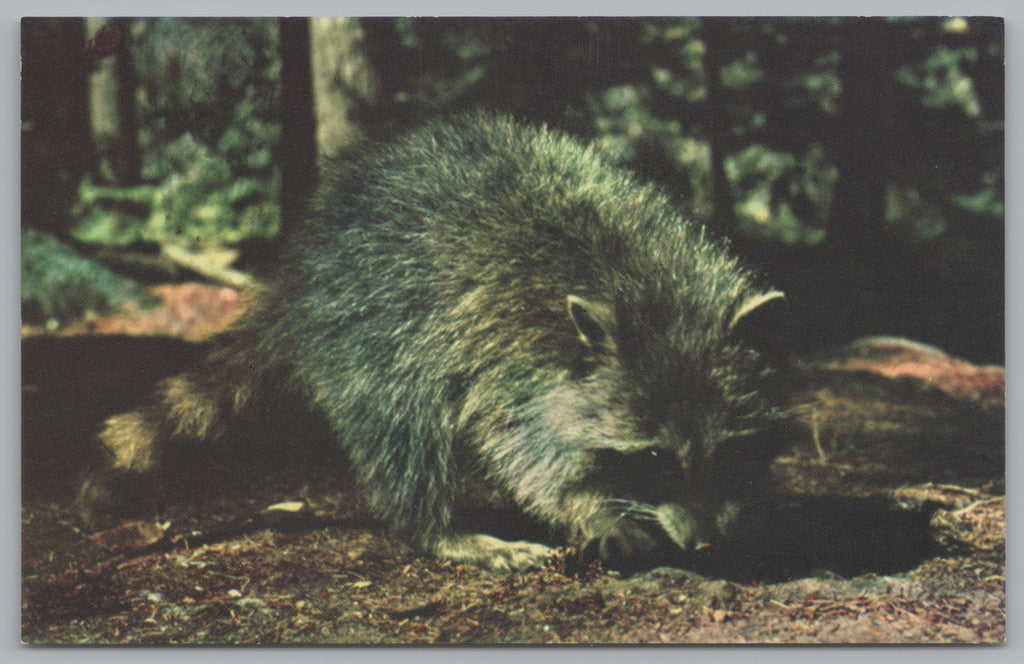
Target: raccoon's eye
[
  {"x": 645, "y": 462},
  {"x": 654, "y": 461}
]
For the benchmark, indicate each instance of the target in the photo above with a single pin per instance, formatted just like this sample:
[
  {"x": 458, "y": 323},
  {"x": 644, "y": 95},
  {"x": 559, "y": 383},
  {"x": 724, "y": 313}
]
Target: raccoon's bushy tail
[
  {"x": 156, "y": 450},
  {"x": 198, "y": 405}
]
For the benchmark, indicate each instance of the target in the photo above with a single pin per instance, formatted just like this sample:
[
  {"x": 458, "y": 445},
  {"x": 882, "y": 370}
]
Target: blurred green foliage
[
  {"x": 57, "y": 284},
  {"x": 205, "y": 200},
  {"x": 208, "y": 107},
  {"x": 857, "y": 162},
  {"x": 642, "y": 89}
]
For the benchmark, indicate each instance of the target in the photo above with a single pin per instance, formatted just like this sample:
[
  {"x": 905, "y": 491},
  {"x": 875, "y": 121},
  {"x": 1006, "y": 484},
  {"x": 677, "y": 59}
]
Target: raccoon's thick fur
[{"x": 480, "y": 296}]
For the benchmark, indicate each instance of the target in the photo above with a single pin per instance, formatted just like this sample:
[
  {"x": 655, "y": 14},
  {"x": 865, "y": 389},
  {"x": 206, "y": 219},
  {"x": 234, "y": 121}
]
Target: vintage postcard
[{"x": 513, "y": 330}]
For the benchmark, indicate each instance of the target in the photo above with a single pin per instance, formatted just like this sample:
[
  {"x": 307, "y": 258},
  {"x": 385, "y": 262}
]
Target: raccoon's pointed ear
[
  {"x": 760, "y": 320},
  {"x": 594, "y": 321}
]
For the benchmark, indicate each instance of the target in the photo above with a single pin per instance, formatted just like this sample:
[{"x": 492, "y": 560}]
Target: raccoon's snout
[
  {"x": 693, "y": 528},
  {"x": 633, "y": 535}
]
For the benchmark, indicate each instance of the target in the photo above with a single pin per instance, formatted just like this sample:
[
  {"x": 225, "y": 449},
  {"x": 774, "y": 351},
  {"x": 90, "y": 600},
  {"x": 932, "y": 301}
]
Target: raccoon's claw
[
  {"x": 619, "y": 543},
  {"x": 492, "y": 553}
]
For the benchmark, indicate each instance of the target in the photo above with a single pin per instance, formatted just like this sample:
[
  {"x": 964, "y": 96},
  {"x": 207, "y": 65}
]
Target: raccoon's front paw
[
  {"x": 619, "y": 543},
  {"x": 492, "y": 553}
]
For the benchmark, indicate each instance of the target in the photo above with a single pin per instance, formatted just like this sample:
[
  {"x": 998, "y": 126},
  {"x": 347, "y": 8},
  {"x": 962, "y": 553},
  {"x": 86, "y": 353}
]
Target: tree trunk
[
  {"x": 112, "y": 114},
  {"x": 103, "y": 116},
  {"x": 130, "y": 164},
  {"x": 715, "y": 40},
  {"x": 343, "y": 84},
  {"x": 863, "y": 145},
  {"x": 298, "y": 128},
  {"x": 56, "y": 148}
]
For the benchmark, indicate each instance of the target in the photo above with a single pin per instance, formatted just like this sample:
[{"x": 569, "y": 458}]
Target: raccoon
[{"x": 482, "y": 297}]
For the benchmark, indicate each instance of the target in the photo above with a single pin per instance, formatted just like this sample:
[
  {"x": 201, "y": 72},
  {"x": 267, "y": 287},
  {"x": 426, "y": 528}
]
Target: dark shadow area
[
  {"x": 823, "y": 536},
  {"x": 507, "y": 523},
  {"x": 922, "y": 292},
  {"x": 70, "y": 385},
  {"x": 795, "y": 538}
]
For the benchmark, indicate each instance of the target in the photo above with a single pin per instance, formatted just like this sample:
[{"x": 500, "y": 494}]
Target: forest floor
[{"x": 886, "y": 524}]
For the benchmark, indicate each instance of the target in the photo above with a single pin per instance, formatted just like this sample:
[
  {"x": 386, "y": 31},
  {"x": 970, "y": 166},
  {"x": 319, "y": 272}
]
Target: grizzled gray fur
[{"x": 485, "y": 297}]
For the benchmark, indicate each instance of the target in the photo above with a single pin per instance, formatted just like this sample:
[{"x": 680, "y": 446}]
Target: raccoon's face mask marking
[
  {"x": 687, "y": 491},
  {"x": 650, "y": 475},
  {"x": 654, "y": 496}
]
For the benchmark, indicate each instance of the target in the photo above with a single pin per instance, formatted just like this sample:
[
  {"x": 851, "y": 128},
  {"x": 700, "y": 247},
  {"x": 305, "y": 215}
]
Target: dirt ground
[{"x": 887, "y": 524}]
